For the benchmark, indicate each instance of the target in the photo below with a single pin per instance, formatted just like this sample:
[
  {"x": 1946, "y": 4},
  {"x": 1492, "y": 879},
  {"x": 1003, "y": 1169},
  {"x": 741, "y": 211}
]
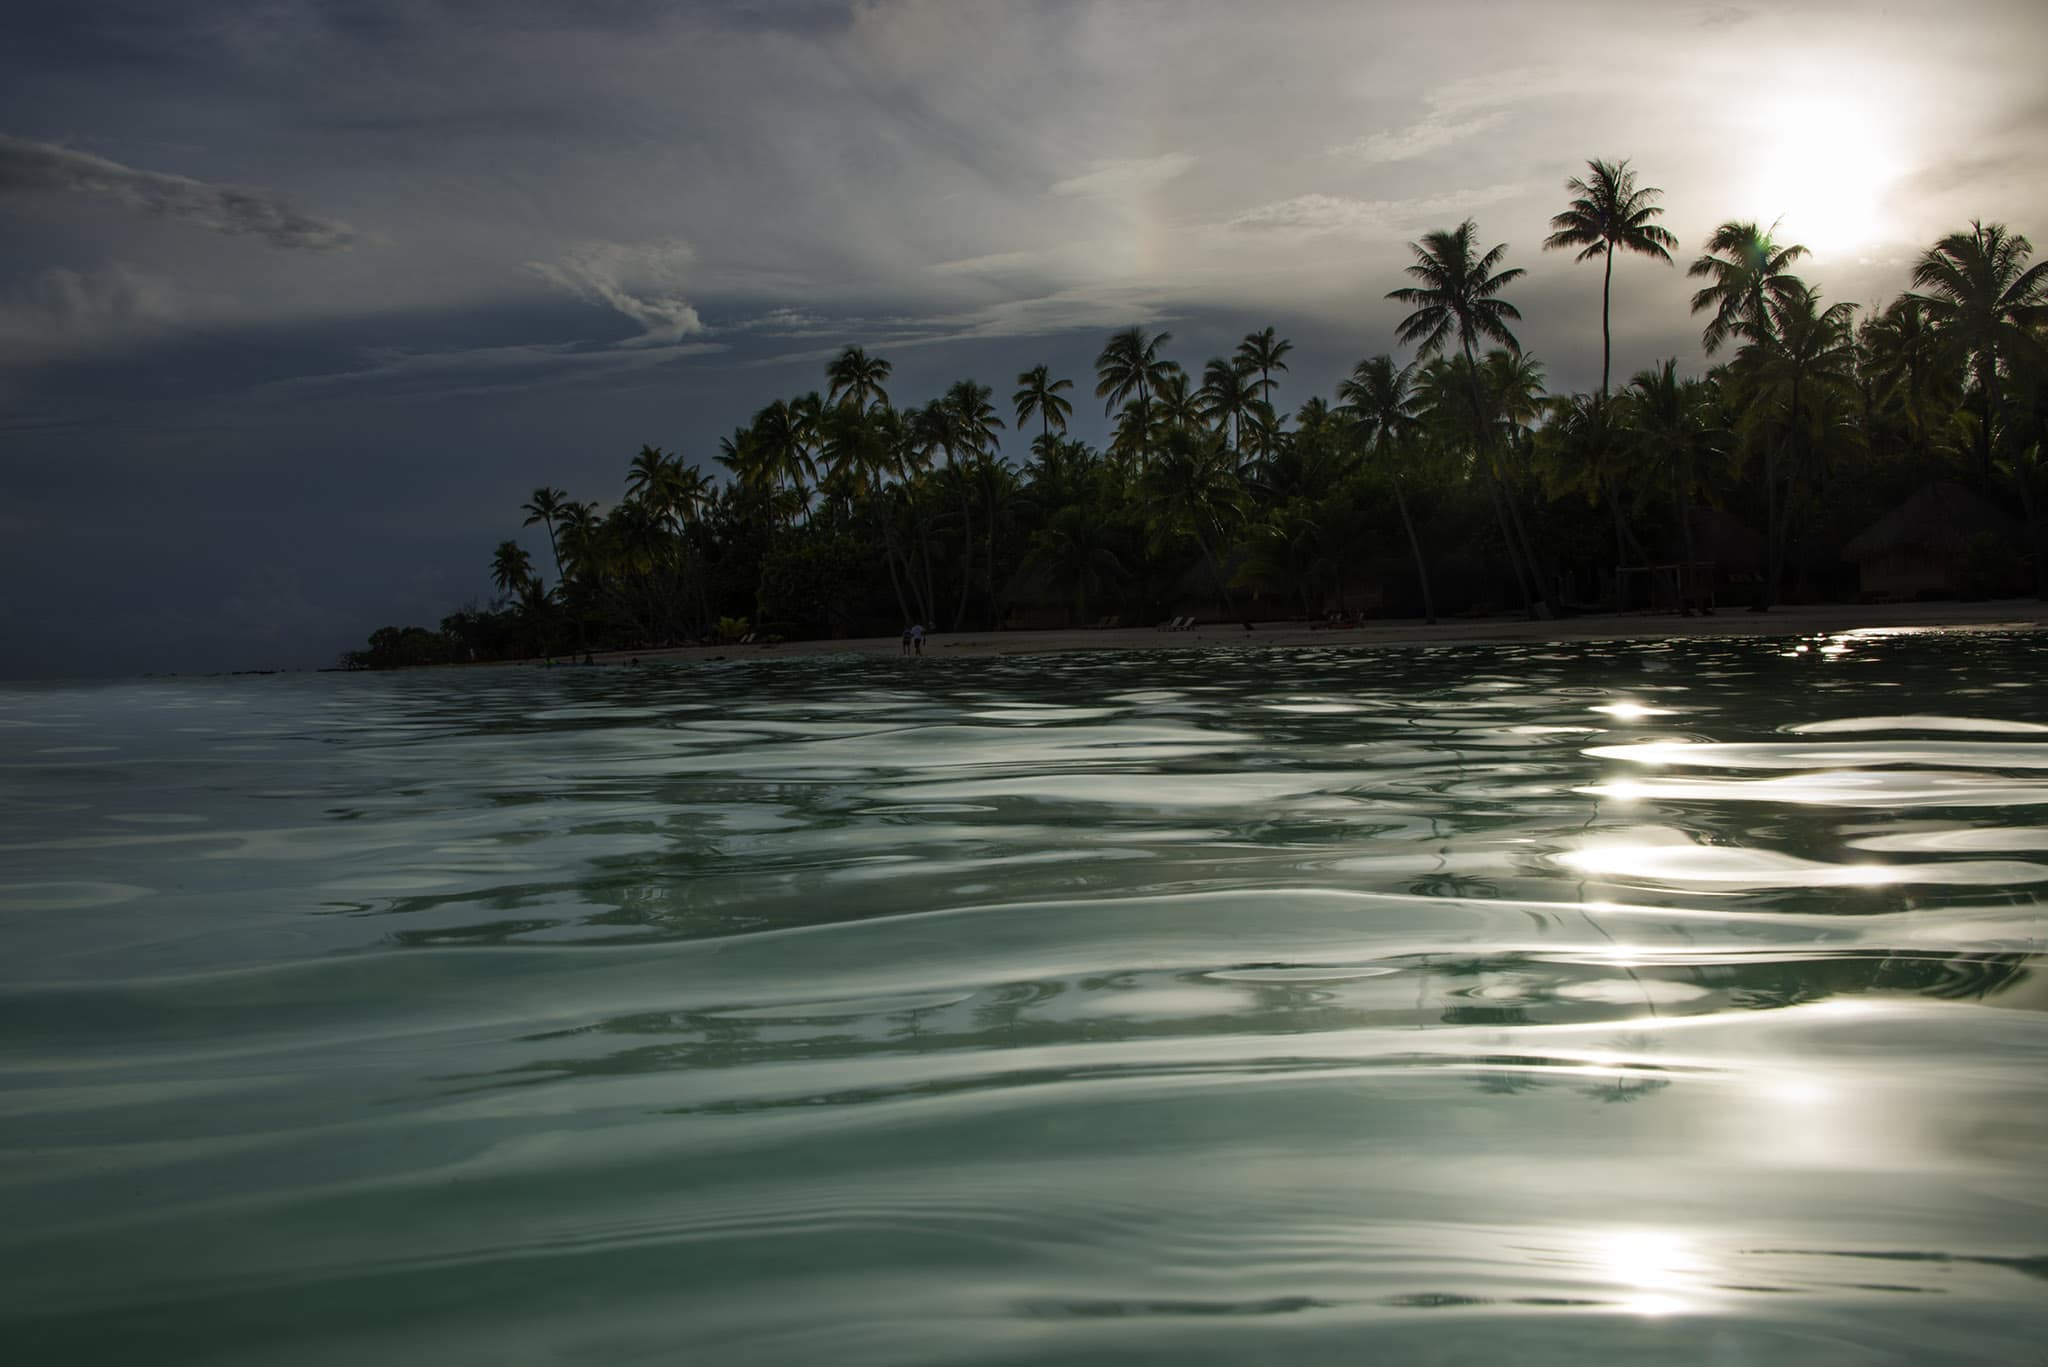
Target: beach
[{"x": 2011, "y": 614}]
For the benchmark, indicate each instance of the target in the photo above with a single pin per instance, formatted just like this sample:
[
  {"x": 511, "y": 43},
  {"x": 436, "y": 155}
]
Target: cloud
[
  {"x": 58, "y": 310},
  {"x": 28, "y": 166},
  {"x": 1458, "y": 110},
  {"x": 1418, "y": 139},
  {"x": 1317, "y": 214},
  {"x": 474, "y": 371},
  {"x": 641, "y": 280},
  {"x": 1126, "y": 175}
]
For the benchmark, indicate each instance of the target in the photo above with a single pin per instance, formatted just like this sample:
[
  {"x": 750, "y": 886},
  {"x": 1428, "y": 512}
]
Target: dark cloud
[{"x": 28, "y": 167}]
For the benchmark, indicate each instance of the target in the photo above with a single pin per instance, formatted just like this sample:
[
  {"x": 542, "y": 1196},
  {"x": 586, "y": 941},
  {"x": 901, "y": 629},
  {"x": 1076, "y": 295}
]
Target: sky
[{"x": 300, "y": 300}]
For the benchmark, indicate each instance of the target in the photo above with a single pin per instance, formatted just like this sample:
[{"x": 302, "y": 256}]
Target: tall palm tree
[
  {"x": 1608, "y": 211},
  {"x": 1262, "y": 351},
  {"x": 1459, "y": 296},
  {"x": 1804, "y": 350},
  {"x": 1191, "y": 490},
  {"x": 1226, "y": 399},
  {"x": 1669, "y": 419},
  {"x": 1179, "y": 405},
  {"x": 1984, "y": 301},
  {"x": 1745, "y": 269},
  {"x": 544, "y": 507},
  {"x": 855, "y": 380},
  {"x": 972, "y": 423},
  {"x": 1379, "y": 398},
  {"x": 1130, "y": 366},
  {"x": 1038, "y": 392}
]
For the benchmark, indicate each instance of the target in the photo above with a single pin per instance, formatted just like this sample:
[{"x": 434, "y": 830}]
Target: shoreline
[{"x": 2018, "y": 614}]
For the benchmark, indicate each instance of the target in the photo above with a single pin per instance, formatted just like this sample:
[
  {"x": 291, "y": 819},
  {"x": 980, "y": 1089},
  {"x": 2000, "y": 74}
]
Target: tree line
[{"x": 1453, "y": 481}]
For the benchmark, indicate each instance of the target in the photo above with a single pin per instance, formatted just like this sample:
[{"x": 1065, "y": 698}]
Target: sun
[{"x": 1822, "y": 170}]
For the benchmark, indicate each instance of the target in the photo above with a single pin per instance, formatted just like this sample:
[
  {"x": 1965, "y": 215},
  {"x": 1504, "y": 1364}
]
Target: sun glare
[{"x": 1822, "y": 169}]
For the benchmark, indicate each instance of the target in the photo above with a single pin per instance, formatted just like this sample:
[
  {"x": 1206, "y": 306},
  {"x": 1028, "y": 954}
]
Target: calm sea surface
[{"x": 1606, "y": 1004}]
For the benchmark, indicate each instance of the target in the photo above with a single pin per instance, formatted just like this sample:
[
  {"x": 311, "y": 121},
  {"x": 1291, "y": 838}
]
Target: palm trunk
[
  {"x": 1415, "y": 548},
  {"x": 1606, "y": 337}
]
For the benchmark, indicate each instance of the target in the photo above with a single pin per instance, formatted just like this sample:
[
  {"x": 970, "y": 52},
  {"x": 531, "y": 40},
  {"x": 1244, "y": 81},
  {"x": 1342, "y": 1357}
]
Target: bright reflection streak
[
  {"x": 1631, "y": 711},
  {"x": 1660, "y": 1270}
]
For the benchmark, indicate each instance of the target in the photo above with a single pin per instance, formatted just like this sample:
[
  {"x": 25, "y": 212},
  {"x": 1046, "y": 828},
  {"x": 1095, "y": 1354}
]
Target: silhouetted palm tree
[
  {"x": 544, "y": 507},
  {"x": 1227, "y": 398},
  {"x": 511, "y": 568},
  {"x": 1609, "y": 211},
  {"x": 1262, "y": 351},
  {"x": 855, "y": 380},
  {"x": 1459, "y": 296},
  {"x": 1130, "y": 367},
  {"x": 1747, "y": 269},
  {"x": 1038, "y": 392},
  {"x": 1380, "y": 399},
  {"x": 1984, "y": 301}
]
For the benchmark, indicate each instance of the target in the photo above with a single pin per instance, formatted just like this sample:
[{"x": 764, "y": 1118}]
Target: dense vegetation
[{"x": 1451, "y": 483}]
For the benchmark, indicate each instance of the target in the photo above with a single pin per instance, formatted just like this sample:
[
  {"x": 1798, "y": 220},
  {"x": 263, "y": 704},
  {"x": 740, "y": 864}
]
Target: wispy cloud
[
  {"x": 642, "y": 281},
  {"x": 30, "y": 167},
  {"x": 58, "y": 310},
  {"x": 1126, "y": 175},
  {"x": 487, "y": 370},
  {"x": 1418, "y": 139},
  {"x": 1317, "y": 214},
  {"x": 1457, "y": 110}
]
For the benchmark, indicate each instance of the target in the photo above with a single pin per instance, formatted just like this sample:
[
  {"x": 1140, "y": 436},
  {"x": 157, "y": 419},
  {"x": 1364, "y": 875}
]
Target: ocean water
[{"x": 1606, "y": 1004}]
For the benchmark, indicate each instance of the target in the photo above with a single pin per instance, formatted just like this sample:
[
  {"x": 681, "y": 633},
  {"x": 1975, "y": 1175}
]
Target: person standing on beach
[
  {"x": 917, "y": 637},
  {"x": 906, "y": 638}
]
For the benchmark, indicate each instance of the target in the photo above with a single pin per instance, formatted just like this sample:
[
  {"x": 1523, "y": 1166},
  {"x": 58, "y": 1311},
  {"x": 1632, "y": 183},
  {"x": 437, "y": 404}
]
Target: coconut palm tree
[
  {"x": 1746, "y": 269},
  {"x": 1803, "y": 350},
  {"x": 1459, "y": 297},
  {"x": 511, "y": 568},
  {"x": 544, "y": 507},
  {"x": 1900, "y": 350},
  {"x": 1226, "y": 399},
  {"x": 1670, "y": 420},
  {"x": 1130, "y": 367},
  {"x": 1608, "y": 211},
  {"x": 1984, "y": 301},
  {"x": 1192, "y": 490},
  {"x": 1038, "y": 392},
  {"x": 855, "y": 380},
  {"x": 1379, "y": 398},
  {"x": 972, "y": 424},
  {"x": 1262, "y": 351}
]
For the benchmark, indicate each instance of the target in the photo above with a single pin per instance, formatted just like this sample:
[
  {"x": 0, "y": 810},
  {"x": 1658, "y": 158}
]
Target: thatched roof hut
[
  {"x": 1938, "y": 518},
  {"x": 1918, "y": 549}
]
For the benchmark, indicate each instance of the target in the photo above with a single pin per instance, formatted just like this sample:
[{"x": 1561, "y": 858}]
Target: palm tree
[
  {"x": 1669, "y": 418},
  {"x": 856, "y": 378},
  {"x": 1262, "y": 351},
  {"x": 971, "y": 424},
  {"x": 1038, "y": 392},
  {"x": 1179, "y": 405},
  {"x": 1130, "y": 366},
  {"x": 544, "y": 507},
  {"x": 1459, "y": 295},
  {"x": 1746, "y": 269},
  {"x": 1899, "y": 346},
  {"x": 1192, "y": 490},
  {"x": 1075, "y": 552},
  {"x": 1803, "y": 350},
  {"x": 1983, "y": 300},
  {"x": 1610, "y": 211},
  {"x": 511, "y": 568},
  {"x": 1380, "y": 400},
  {"x": 1226, "y": 398}
]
